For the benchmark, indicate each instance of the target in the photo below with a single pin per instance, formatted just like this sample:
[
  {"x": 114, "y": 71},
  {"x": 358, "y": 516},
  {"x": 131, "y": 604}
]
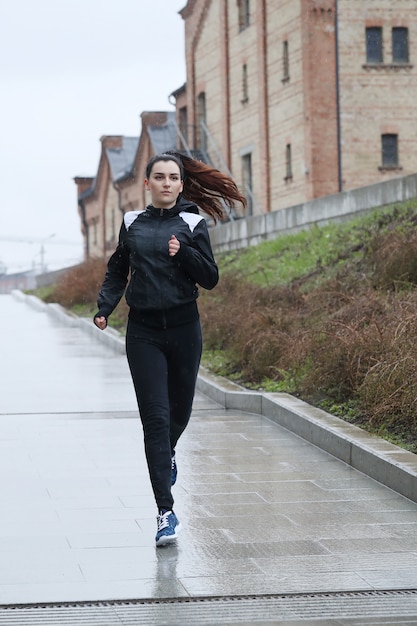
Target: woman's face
[{"x": 164, "y": 183}]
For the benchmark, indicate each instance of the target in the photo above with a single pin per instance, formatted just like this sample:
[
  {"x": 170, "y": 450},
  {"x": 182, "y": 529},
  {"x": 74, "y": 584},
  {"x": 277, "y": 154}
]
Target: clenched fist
[{"x": 173, "y": 245}]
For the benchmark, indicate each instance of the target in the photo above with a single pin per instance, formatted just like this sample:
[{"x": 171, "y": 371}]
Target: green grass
[{"x": 318, "y": 251}]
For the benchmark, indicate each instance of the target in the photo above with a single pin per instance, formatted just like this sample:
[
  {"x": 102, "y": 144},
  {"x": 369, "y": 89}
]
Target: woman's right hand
[{"x": 100, "y": 322}]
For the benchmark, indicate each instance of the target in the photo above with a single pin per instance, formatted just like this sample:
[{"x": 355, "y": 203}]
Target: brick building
[
  {"x": 98, "y": 197},
  {"x": 297, "y": 99},
  {"x": 301, "y": 98}
]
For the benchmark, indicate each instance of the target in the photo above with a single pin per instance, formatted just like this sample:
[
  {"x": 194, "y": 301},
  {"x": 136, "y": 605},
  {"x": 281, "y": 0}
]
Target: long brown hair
[{"x": 203, "y": 184}]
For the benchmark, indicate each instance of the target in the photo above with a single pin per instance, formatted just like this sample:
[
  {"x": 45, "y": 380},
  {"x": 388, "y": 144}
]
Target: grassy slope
[{"x": 327, "y": 314}]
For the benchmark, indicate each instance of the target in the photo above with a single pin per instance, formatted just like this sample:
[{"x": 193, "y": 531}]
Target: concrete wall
[
  {"x": 21, "y": 280},
  {"x": 338, "y": 207},
  {"x": 29, "y": 280},
  {"x": 50, "y": 278}
]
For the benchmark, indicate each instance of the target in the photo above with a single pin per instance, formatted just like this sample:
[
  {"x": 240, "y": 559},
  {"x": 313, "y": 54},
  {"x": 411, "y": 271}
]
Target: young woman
[{"x": 166, "y": 249}]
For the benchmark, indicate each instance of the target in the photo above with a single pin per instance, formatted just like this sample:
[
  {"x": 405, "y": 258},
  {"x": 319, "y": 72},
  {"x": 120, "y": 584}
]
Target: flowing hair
[{"x": 209, "y": 188}]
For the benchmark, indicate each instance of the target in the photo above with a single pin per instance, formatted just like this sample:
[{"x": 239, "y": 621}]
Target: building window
[
  {"x": 245, "y": 84},
  {"x": 244, "y": 13},
  {"x": 389, "y": 150},
  {"x": 113, "y": 225},
  {"x": 400, "y": 45},
  {"x": 247, "y": 181},
  {"x": 285, "y": 62},
  {"x": 183, "y": 123},
  {"x": 374, "y": 45},
  {"x": 288, "y": 162},
  {"x": 201, "y": 121}
]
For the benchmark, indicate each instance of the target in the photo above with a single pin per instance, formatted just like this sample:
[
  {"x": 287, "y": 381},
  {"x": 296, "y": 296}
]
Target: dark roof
[
  {"x": 121, "y": 159},
  {"x": 88, "y": 192},
  {"x": 164, "y": 137},
  {"x": 180, "y": 90}
]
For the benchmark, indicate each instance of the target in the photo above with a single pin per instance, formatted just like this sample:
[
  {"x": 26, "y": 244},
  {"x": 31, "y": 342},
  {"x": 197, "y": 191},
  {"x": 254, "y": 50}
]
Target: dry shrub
[
  {"x": 80, "y": 284},
  {"x": 394, "y": 260},
  {"x": 351, "y": 341},
  {"x": 346, "y": 346},
  {"x": 341, "y": 354},
  {"x": 264, "y": 354},
  {"x": 253, "y": 324},
  {"x": 389, "y": 390},
  {"x": 343, "y": 335},
  {"x": 217, "y": 312},
  {"x": 363, "y": 307},
  {"x": 367, "y": 351}
]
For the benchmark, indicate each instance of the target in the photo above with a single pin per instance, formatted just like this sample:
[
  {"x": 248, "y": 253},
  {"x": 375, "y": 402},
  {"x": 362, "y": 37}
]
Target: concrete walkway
[{"x": 264, "y": 512}]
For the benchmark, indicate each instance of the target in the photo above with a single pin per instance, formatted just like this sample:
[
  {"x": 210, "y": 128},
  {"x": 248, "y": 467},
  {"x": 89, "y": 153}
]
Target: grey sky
[{"x": 72, "y": 71}]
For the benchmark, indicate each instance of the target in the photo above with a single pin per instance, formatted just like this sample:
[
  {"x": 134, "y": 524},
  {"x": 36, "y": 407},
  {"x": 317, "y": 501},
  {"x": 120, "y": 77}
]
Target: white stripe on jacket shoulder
[
  {"x": 191, "y": 219},
  {"x": 130, "y": 217}
]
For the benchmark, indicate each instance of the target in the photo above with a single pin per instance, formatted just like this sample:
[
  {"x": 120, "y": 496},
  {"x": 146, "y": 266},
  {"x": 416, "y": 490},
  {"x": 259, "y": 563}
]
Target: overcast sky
[{"x": 72, "y": 71}]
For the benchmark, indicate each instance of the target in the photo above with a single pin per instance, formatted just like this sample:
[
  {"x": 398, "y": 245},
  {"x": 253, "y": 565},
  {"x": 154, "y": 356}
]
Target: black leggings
[{"x": 164, "y": 366}]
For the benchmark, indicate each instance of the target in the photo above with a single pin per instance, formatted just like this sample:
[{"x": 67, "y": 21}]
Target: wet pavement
[{"x": 266, "y": 515}]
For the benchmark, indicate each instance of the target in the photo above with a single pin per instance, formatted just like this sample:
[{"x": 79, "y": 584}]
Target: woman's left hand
[{"x": 173, "y": 245}]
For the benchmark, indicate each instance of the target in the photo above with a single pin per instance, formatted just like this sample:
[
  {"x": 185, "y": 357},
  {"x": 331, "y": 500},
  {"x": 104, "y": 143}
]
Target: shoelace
[{"x": 163, "y": 520}]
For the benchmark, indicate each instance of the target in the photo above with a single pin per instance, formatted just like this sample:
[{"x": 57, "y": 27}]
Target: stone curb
[
  {"x": 110, "y": 337},
  {"x": 386, "y": 463},
  {"x": 379, "y": 459}
]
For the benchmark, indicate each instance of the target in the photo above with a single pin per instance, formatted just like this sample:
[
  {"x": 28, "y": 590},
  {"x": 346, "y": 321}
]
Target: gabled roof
[
  {"x": 163, "y": 137},
  {"x": 121, "y": 159},
  {"x": 89, "y": 191},
  {"x": 122, "y": 152}
]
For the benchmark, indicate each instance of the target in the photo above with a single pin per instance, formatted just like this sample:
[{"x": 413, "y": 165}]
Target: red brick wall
[{"x": 319, "y": 86}]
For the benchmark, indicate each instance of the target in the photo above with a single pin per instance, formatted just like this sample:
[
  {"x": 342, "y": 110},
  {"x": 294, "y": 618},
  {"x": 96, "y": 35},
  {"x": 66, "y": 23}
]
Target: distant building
[
  {"x": 99, "y": 200},
  {"x": 118, "y": 185}
]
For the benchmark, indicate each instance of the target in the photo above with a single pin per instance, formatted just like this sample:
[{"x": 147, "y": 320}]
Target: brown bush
[
  {"x": 388, "y": 392},
  {"x": 341, "y": 346},
  {"x": 347, "y": 346},
  {"x": 81, "y": 284},
  {"x": 393, "y": 259},
  {"x": 251, "y": 323},
  {"x": 341, "y": 354}
]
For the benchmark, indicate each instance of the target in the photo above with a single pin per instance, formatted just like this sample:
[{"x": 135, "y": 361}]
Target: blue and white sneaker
[
  {"x": 168, "y": 527},
  {"x": 174, "y": 470}
]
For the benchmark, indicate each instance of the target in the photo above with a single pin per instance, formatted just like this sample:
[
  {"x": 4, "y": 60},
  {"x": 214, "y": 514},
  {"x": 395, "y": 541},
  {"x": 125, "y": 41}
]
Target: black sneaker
[{"x": 168, "y": 527}]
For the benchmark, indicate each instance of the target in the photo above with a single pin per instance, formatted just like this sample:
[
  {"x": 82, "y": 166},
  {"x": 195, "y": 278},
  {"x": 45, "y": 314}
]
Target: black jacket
[{"x": 161, "y": 287}]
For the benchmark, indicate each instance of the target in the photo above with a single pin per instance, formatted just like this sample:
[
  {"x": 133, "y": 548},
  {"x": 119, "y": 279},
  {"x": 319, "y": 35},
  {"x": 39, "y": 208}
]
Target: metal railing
[
  {"x": 220, "y": 164},
  {"x": 211, "y": 155}
]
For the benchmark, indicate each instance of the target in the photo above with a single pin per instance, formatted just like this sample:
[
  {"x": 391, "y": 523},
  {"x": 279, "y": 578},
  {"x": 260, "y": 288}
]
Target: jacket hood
[{"x": 181, "y": 205}]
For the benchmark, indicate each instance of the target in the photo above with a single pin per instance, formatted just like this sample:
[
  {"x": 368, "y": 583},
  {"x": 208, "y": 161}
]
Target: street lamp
[{"x": 42, "y": 264}]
